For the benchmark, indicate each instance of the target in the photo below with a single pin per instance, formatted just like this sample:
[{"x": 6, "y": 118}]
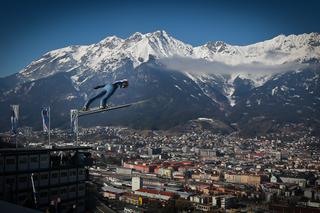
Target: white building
[{"x": 137, "y": 183}]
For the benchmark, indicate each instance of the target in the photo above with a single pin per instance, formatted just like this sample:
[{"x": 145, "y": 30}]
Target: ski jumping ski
[
  {"x": 109, "y": 108},
  {"x": 98, "y": 109}
]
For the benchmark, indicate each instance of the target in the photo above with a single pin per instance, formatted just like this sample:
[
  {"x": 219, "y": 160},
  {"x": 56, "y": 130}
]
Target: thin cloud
[{"x": 201, "y": 66}]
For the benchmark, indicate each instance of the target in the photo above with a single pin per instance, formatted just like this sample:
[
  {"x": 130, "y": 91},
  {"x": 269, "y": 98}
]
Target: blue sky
[{"x": 32, "y": 28}]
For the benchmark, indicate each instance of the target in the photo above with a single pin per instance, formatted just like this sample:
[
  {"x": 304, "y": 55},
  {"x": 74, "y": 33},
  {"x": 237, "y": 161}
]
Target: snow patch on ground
[
  {"x": 284, "y": 88},
  {"x": 259, "y": 101},
  {"x": 229, "y": 92},
  {"x": 70, "y": 97},
  {"x": 176, "y": 86},
  {"x": 274, "y": 91},
  {"x": 193, "y": 96},
  {"x": 30, "y": 87},
  {"x": 190, "y": 76},
  {"x": 205, "y": 119},
  {"x": 64, "y": 60},
  {"x": 75, "y": 79}
]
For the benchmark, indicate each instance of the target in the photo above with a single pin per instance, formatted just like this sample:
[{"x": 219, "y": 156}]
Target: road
[{"x": 102, "y": 208}]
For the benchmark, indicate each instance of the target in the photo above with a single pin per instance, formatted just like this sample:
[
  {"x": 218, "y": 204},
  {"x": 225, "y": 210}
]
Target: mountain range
[{"x": 254, "y": 89}]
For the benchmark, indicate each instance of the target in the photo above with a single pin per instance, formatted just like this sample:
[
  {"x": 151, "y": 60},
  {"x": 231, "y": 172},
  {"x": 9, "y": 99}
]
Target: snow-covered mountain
[
  {"x": 279, "y": 50},
  {"x": 212, "y": 80},
  {"x": 107, "y": 55},
  {"x": 110, "y": 53}
]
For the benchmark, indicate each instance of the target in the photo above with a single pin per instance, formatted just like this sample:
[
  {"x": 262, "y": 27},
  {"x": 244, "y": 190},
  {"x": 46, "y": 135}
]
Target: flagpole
[{"x": 49, "y": 130}]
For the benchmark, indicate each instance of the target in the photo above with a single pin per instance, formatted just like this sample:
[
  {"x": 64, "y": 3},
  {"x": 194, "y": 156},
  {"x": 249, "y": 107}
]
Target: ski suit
[{"x": 106, "y": 92}]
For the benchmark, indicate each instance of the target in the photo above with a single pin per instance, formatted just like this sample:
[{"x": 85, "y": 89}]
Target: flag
[
  {"x": 14, "y": 118},
  {"x": 45, "y": 113},
  {"x": 74, "y": 120}
]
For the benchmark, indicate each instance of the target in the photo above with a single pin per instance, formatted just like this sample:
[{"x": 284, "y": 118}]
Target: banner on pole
[
  {"x": 45, "y": 113},
  {"x": 14, "y": 118}
]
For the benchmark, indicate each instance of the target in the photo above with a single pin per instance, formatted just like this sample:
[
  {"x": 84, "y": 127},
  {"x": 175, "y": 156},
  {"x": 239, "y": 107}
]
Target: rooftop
[{"x": 153, "y": 191}]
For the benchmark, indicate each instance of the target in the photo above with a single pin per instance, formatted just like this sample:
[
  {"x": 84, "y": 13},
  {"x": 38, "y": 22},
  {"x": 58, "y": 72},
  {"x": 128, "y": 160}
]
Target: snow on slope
[
  {"x": 108, "y": 55},
  {"x": 279, "y": 50},
  {"x": 112, "y": 52}
]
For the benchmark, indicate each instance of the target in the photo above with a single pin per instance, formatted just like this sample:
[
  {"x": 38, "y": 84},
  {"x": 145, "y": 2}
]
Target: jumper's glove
[{"x": 125, "y": 84}]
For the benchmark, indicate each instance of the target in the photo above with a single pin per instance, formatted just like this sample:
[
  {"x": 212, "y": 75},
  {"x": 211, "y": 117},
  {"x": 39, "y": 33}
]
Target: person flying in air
[{"x": 106, "y": 92}]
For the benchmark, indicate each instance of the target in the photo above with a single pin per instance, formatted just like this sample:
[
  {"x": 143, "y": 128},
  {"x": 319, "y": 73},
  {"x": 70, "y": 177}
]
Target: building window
[
  {"x": 54, "y": 192},
  {"x": 34, "y": 159},
  {"x": 44, "y": 176},
  {"x": 73, "y": 173},
  {"x": 54, "y": 175},
  {"x": 72, "y": 189},
  {"x": 23, "y": 160},
  {"x": 63, "y": 191},
  {"x": 43, "y": 194},
  {"x": 81, "y": 187},
  {"x": 44, "y": 158},
  {"x": 10, "y": 181},
  {"x": 10, "y": 161},
  {"x": 22, "y": 197},
  {"x": 23, "y": 179}
]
